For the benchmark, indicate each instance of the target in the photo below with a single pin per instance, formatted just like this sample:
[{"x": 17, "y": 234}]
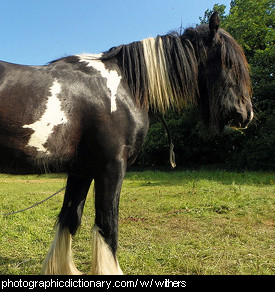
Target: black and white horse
[{"x": 88, "y": 115}]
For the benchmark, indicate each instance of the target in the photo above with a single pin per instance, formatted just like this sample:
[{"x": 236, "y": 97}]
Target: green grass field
[{"x": 176, "y": 223}]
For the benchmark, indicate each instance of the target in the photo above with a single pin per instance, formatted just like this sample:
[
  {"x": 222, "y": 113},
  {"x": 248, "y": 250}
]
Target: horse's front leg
[
  {"x": 59, "y": 260},
  {"x": 107, "y": 192}
]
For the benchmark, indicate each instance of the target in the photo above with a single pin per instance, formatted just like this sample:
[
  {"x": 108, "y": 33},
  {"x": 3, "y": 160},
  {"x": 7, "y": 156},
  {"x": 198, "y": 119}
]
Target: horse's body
[
  {"x": 88, "y": 115},
  {"x": 75, "y": 124},
  {"x": 51, "y": 113}
]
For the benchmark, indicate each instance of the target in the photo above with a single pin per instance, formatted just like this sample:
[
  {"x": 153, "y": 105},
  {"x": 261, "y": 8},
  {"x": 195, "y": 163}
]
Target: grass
[{"x": 180, "y": 222}]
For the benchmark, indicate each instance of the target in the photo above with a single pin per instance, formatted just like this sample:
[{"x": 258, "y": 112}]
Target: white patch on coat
[
  {"x": 112, "y": 77},
  {"x": 53, "y": 116}
]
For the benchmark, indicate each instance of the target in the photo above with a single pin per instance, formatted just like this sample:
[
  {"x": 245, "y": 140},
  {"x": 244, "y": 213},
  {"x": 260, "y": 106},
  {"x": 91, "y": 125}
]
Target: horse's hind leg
[
  {"x": 107, "y": 191},
  {"x": 59, "y": 260}
]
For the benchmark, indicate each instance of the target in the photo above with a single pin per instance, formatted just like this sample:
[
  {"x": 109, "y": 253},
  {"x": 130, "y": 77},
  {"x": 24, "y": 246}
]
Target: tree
[
  {"x": 252, "y": 23},
  {"x": 219, "y": 8}
]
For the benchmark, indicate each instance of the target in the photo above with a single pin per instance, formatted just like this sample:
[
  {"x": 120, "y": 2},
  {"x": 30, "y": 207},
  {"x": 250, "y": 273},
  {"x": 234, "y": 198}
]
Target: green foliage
[
  {"x": 219, "y": 8},
  {"x": 251, "y": 22}
]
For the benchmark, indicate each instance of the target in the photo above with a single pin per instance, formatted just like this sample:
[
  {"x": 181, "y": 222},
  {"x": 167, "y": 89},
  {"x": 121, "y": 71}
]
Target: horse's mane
[
  {"x": 232, "y": 56},
  {"x": 161, "y": 72}
]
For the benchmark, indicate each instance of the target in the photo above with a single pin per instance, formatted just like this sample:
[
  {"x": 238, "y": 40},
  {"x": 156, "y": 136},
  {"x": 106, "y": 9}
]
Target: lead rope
[
  {"x": 172, "y": 155},
  {"x": 38, "y": 203}
]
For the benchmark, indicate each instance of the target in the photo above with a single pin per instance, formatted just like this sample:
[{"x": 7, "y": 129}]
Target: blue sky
[{"x": 35, "y": 32}]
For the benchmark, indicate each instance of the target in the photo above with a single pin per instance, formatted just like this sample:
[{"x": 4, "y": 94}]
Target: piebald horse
[{"x": 88, "y": 115}]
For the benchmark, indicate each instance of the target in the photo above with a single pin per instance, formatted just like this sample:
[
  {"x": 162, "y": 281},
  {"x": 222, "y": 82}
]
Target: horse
[{"x": 88, "y": 115}]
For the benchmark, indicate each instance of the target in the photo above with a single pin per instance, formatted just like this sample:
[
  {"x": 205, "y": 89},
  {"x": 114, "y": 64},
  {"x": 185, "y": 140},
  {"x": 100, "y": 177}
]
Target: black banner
[{"x": 43, "y": 283}]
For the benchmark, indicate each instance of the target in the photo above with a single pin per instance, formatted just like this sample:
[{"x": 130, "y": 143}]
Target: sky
[{"x": 34, "y": 32}]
